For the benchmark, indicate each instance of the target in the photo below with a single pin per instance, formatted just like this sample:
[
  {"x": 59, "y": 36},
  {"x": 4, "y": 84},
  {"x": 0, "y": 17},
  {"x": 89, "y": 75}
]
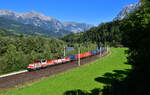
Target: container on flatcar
[
  {"x": 72, "y": 57},
  {"x": 97, "y": 51},
  {"x": 87, "y": 54},
  {"x": 81, "y": 55},
  {"x": 93, "y": 52}
]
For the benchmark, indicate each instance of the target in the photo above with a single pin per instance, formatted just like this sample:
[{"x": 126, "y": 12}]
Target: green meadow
[{"x": 82, "y": 78}]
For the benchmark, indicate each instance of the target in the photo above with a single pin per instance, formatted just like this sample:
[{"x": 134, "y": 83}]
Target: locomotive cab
[{"x": 42, "y": 61}]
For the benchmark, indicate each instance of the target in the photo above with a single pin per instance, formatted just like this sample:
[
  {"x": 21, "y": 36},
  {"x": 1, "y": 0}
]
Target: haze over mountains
[{"x": 45, "y": 22}]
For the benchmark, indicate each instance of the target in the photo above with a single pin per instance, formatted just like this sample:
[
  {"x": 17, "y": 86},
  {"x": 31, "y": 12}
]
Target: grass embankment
[{"x": 82, "y": 78}]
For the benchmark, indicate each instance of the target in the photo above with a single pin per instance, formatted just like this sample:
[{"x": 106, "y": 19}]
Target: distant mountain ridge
[
  {"x": 76, "y": 27},
  {"x": 17, "y": 28},
  {"x": 128, "y": 9},
  {"x": 45, "y": 22}
]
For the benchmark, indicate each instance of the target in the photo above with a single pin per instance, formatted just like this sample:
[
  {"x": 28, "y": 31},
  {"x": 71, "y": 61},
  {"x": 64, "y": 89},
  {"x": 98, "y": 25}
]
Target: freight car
[{"x": 42, "y": 63}]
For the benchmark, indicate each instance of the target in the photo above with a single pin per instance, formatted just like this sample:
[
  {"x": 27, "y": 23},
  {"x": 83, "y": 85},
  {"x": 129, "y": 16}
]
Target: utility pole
[
  {"x": 64, "y": 51},
  {"x": 79, "y": 52},
  {"x": 107, "y": 48},
  {"x": 100, "y": 51},
  {"x": 79, "y": 56}
]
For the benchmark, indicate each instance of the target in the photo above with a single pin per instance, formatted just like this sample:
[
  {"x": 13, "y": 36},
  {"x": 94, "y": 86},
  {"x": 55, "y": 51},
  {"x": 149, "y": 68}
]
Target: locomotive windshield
[{"x": 43, "y": 60}]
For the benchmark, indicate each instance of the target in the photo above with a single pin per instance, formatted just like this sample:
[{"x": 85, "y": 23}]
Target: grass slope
[{"x": 80, "y": 78}]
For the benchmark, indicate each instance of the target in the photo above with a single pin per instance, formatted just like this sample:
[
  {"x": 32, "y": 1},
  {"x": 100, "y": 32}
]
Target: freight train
[{"x": 42, "y": 63}]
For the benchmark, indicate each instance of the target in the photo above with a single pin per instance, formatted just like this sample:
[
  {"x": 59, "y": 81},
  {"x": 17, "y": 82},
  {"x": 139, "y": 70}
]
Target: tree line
[
  {"x": 106, "y": 33},
  {"x": 136, "y": 36}
]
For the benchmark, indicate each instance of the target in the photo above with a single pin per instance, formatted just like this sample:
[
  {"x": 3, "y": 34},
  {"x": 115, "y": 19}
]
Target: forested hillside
[
  {"x": 4, "y": 33},
  {"x": 105, "y": 33}
]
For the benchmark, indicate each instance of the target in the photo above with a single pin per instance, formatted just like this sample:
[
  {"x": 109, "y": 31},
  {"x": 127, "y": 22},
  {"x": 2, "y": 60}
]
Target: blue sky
[{"x": 88, "y": 11}]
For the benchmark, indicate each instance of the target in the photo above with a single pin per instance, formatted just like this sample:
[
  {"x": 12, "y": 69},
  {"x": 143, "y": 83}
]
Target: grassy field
[{"x": 82, "y": 78}]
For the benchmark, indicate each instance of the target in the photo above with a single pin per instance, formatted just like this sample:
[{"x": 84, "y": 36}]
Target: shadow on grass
[
  {"x": 81, "y": 92},
  {"x": 114, "y": 81},
  {"x": 111, "y": 80}
]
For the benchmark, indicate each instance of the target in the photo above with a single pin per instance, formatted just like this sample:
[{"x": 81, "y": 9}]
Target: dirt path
[{"x": 11, "y": 81}]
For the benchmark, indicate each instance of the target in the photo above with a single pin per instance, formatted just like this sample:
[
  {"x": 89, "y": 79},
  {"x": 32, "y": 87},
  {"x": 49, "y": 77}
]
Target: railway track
[
  {"x": 11, "y": 74},
  {"x": 21, "y": 78}
]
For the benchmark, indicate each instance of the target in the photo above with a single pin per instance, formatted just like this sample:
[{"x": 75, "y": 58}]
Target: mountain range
[
  {"x": 38, "y": 24},
  {"x": 127, "y": 9},
  {"x": 16, "y": 28},
  {"x": 44, "y": 22}
]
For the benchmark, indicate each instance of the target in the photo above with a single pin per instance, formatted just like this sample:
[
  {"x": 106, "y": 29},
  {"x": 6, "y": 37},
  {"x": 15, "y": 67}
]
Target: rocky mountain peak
[
  {"x": 127, "y": 9},
  {"x": 33, "y": 14},
  {"x": 77, "y": 27},
  {"x": 6, "y": 12}
]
